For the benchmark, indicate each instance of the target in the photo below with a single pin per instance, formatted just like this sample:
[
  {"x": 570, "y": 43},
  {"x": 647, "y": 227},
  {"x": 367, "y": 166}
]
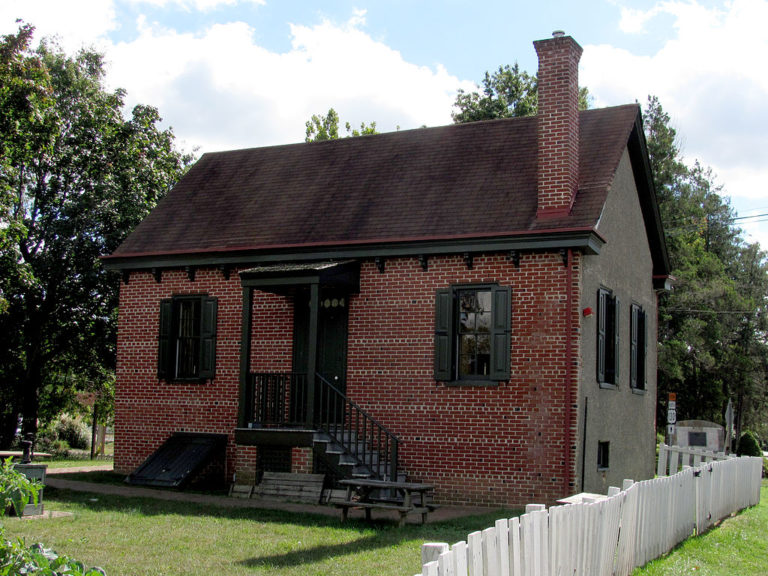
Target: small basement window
[{"x": 603, "y": 455}]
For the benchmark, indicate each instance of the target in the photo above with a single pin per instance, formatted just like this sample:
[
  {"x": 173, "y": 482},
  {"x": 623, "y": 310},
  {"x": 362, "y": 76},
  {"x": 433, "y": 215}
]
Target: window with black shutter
[
  {"x": 637, "y": 347},
  {"x": 472, "y": 334},
  {"x": 187, "y": 338},
  {"x": 607, "y": 338}
]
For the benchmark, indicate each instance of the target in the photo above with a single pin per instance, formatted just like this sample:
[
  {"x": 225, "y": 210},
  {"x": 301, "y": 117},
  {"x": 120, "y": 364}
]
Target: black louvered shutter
[
  {"x": 208, "y": 338},
  {"x": 501, "y": 329},
  {"x": 616, "y": 339},
  {"x": 602, "y": 297},
  {"x": 164, "y": 339},
  {"x": 444, "y": 335},
  {"x": 634, "y": 349},
  {"x": 641, "y": 349}
]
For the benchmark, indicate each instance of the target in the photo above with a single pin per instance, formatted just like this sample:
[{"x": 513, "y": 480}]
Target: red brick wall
[
  {"x": 499, "y": 444},
  {"x": 558, "y": 124},
  {"x": 480, "y": 445},
  {"x": 301, "y": 460},
  {"x": 148, "y": 411}
]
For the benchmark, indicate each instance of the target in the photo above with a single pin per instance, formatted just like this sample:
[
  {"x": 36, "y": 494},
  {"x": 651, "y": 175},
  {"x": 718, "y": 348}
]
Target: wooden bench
[{"x": 287, "y": 487}]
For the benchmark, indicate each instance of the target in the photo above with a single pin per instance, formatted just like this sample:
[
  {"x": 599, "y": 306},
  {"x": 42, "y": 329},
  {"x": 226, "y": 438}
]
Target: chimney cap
[{"x": 558, "y": 34}]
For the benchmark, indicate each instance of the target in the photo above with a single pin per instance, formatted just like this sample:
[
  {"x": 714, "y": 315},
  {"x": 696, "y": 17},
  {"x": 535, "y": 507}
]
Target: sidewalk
[{"x": 56, "y": 478}]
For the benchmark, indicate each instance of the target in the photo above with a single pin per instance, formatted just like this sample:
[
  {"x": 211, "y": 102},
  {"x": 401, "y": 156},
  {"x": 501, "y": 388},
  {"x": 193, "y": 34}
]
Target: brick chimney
[{"x": 558, "y": 124}]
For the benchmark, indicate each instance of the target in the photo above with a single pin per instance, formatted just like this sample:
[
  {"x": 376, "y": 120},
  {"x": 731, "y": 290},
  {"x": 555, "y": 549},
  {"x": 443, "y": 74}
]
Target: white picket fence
[
  {"x": 611, "y": 536},
  {"x": 672, "y": 459}
]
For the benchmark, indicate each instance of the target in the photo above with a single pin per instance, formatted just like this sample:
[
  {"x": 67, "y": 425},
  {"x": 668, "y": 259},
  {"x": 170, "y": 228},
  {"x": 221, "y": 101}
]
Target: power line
[{"x": 695, "y": 311}]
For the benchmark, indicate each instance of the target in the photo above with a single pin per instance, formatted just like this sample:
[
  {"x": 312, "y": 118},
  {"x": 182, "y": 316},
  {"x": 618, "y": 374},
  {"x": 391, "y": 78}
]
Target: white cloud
[
  {"x": 76, "y": 23},
  {"x": 219, "y": 89},
  {"x": 201, "y": 5},
  {"x": 633, "y": 20},
  {"x": 709, "y": 76}
]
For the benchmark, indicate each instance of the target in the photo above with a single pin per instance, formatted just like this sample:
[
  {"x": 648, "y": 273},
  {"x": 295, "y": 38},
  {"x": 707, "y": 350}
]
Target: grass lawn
[
  {"x": 130, "y": 536},
  {"x": 737, "y": 547},
  {"x": 76, "y": 462}
]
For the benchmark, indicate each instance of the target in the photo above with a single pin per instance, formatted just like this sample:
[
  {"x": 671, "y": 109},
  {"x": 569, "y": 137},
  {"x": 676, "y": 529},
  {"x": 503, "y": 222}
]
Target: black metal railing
[
  {"x": 278, "y": 399},
  {"x": 281, "y": 400},
  {"x": 356, "y": 431}
]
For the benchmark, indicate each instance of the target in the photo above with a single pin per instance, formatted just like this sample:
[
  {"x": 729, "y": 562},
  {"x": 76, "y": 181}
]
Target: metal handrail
[{"x": 356, "y": 431}]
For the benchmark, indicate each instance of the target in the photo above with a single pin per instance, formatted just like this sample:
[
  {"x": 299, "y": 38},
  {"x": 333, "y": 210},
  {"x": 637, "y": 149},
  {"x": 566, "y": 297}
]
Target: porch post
[
  {"x": 314, "y": 304},
  {"x": 246, "y": 393}
]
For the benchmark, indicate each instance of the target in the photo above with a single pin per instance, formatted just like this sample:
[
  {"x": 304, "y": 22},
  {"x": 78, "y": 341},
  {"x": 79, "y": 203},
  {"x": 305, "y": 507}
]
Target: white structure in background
[{"x": 699, "y": 434}]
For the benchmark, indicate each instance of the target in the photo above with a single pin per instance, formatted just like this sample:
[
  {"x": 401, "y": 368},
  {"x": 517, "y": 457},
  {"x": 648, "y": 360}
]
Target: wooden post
[
  {"x": 94, "y": 427},
  {"x": 314, "y": 315},
  {"x": 246, "y": 395},
  {"x": 431, "y": 551}
]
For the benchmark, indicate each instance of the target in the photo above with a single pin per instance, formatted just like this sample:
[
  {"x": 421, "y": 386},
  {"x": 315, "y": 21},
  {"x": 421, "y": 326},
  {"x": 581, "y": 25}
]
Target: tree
[
  {"x": 326, "y": 127},
  {"x": 507, "y": 93},
  {"x": 25, "y": 124},
  {"x": 76, "y": 195},
  {"x": 712, "y": 326}
]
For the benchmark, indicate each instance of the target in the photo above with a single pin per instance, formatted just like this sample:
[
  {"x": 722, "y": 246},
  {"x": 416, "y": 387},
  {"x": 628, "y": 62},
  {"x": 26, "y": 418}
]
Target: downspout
[{"x": 568, "y": 372}]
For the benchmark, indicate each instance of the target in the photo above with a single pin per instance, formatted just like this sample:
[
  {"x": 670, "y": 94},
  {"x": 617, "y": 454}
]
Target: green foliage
[
  {"x": 75, "y": 178},
  {"x": 507, "y": 93},
  {"x": 16, "y": 490},
  {"x": 320, "y": 128},
  {"x": 749, "y": 445},
  {"x": 72, "y": 431},
  {"x": 712, "y": 325},
  {"x": 17, "y": 558}
]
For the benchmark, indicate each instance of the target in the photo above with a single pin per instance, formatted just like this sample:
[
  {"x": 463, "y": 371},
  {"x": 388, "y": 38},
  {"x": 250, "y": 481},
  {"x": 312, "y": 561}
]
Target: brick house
[{"x": 472, "y": 305}]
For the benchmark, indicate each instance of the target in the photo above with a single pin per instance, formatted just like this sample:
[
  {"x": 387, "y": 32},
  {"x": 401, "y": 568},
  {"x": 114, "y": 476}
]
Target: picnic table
[{"x": 403, "y": 497}]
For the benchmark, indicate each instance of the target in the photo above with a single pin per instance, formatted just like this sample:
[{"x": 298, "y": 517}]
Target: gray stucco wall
[{"x": 619, "y": 415}]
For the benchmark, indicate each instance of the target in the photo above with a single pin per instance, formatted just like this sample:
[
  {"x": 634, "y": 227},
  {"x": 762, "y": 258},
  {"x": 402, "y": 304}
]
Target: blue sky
[{"x": 240, "y": 73}]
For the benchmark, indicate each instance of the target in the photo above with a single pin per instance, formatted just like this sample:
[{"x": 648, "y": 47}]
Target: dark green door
[{"x": 331, "y": 342}]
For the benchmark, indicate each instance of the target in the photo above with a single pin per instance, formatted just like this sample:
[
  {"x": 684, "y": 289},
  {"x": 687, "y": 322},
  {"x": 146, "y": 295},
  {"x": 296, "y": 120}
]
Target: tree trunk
[{"x": 30, "y": 402}]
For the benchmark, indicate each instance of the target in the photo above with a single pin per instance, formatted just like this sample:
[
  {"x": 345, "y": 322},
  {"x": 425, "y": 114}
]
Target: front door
[{"x": 331, "y": 341}]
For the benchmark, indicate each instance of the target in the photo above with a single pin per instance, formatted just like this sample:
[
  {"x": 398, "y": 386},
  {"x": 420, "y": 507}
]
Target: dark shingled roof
[{"x": 458, "y": 181}]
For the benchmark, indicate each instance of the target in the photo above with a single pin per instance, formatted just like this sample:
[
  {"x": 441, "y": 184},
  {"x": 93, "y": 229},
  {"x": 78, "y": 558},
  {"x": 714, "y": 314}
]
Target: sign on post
[{"x": 671, "y": 415}]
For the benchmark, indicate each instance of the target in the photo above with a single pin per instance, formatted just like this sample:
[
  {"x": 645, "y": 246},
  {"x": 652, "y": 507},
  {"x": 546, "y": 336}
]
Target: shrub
[
  {"x": 17, "y": 558},
  {"x": 16, "y": 490},
  {"x": 73, "y": 432},
  {"x": 748, "y": 445}
]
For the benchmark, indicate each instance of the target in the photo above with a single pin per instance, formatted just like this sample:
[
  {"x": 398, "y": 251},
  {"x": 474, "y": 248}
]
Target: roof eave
[
  {"x": 586, "y": 239},
  {"x": 638, "y": 151}
]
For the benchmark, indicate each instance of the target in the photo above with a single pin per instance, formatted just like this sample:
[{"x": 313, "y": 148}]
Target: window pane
[
  {"x": 474, "y": 343},
  {"x": 467, "y": 345},
  {"x": 466, "y": 322},
  {"x": 484, "y": 300},
  {"x": 483, "y": 362}
]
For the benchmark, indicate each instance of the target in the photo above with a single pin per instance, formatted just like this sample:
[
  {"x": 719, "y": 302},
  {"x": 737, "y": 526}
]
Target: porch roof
[{"x": 287, "y": 276}]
